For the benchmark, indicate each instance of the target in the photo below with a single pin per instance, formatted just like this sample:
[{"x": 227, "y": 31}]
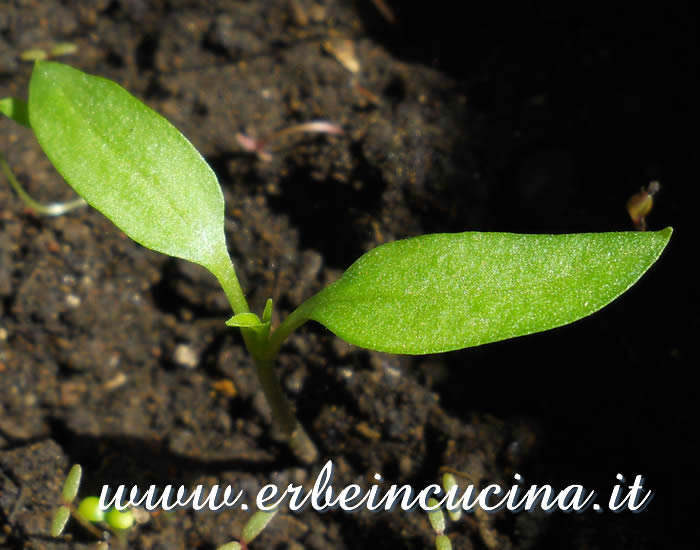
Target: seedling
[
  {"x": 57, "y": 50},
  {"x": 640, "y": 204},
  {"x": 427, "y": 294},
  {"x": 437, "y": 522},
  {"x": 89, "y": 514},
  {"x": 253, "y": 527}
]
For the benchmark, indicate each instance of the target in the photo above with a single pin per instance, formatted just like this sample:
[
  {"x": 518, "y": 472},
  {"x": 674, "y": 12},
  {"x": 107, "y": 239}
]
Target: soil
[{"x": 117, "y": 358}]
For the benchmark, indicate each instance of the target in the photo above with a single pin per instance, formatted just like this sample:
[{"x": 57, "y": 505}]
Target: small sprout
[
  {"x": 50, "y": 209},
  {"x": 267, "y": 312},
  {"x": 63, "y": 48},
  {"x": 442, "y": 542},
  {"x": 259, "y": 147},
  {"x": 60, "y": 518},
  {"x": 437, "y": 521},
  {"x": 253, "y": 527},
  {"x": 33, "y": 54},
  {"x": 640, "y": 204},
  {"x": 118, "y": 519},
  {"x": 57, "y": 50},
  {"x": 257, "y": 522},
  {"x": 436, "y": 517},
  {"x": 90, "y": 509},
  {"x": 449, "y": 481},
  {"x": 72, "y": 483}
]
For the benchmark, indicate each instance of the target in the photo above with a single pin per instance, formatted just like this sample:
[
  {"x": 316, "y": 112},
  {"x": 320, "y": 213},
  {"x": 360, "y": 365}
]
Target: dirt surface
[{"x": 117, "y": 358}]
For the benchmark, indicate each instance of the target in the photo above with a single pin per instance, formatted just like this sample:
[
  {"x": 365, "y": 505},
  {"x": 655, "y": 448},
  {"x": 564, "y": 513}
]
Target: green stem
[
  {"x": 51, "y": 209},
  {"x": 226, "y": 274},
  {"x": 295, "y": 319},
  {"x": 290, "y": 430},
  {"x": 259, "y": 349},
  {"x": 282, "y": 414}
]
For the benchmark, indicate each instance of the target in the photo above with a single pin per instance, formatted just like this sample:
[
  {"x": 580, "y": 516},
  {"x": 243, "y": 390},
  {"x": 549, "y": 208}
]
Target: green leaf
[
  {"x": 442, "y": 542},
  {"x": 443, "y": 292},
  {"x": 230, "y": 546},
  {"x": 16, "y": 109},
  {"x": 245, "y": 320},
  {"x": 448, "y": 482},
  {"x": 436, "y": 517},
  {"x": 63, "y": 48},
  {"x": 33, "y": 54},
  {"x": 257, "y": 522},
  {"x": 129, "y": 163},
  {"x": 90, "y": 509},
  {"x": 267, "y": 312},
  {"x": 72, "y": 483},
  {"x": 118, "y": 519},
  {"x": 59, "y": 520}
]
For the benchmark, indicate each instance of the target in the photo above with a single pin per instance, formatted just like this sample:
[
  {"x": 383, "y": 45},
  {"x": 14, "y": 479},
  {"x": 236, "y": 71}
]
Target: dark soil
[{"x": 490, "y": 119}]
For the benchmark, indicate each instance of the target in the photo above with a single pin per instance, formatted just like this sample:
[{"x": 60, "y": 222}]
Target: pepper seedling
[{"x": 427, "y": 294}]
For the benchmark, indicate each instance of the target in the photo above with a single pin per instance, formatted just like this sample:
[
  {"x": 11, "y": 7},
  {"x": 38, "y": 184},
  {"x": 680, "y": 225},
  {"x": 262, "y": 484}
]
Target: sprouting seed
[{"x": 640, "y": 204}]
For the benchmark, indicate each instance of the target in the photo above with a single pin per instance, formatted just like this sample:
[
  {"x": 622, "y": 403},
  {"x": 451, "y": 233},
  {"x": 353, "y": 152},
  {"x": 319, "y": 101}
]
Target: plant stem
[
  {"x": 51, "y": 209},
  {"x": 282, "y": 416},
  {"x": 295, "y": 319},
  {"x": 289, "y": 325},
  {"x": 92, "y": 528},
  {"x": 290, "y": 430},
  {"x": 226, "y": 275}
]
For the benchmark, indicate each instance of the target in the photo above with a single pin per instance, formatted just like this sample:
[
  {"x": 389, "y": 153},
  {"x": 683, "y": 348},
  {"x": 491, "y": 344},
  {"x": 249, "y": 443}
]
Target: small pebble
[
  {"x": 73, "y": 301},
  {"x": 186, "y": 356}
]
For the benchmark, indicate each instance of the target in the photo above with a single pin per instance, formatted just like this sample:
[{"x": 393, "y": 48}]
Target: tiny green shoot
[
  {"x": 437, "y": 522},
  {"x": 68, "y": 493},
  {"x": 60, "y": 518},
  {"x": 57, "y": 50},
  {"x": 448, "y": 482},
  {"x": 17, "y": 110},
  {"x": 88, "y": 511},
  {"x": 50, "y": 209},
  {"x": 253, "y": 527},
  {"x": 436, "y": 517},
  {"x": 72, "y": 483},
  {"x": 89, "y": 514},
  {"x": 427, "y": 294}
]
